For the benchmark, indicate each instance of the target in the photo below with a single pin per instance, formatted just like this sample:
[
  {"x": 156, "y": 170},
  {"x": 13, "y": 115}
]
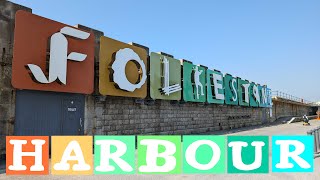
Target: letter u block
[{"x": 248, "y": 154}]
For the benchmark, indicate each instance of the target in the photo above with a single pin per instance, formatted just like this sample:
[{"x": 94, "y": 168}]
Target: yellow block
[
  {"x": 108, "y": 49},
  {"x": 59, "y": 148}
]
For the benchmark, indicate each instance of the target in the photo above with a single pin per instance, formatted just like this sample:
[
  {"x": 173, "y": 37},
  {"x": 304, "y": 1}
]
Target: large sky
[{"x": 272, "y": 42}]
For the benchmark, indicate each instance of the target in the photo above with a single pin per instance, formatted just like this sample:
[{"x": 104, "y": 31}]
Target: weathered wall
[
  {"x": 284, "y": 108},
  {"x": 7, "y": 94},
  {"x": 115, "y": 115}
]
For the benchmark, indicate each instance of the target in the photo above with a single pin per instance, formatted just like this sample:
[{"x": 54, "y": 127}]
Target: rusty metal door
[{"x": 48, "y": 113}]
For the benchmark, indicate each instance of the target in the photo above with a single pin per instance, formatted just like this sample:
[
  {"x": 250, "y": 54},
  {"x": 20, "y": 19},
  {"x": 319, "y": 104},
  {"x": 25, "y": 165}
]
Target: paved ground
[{"x": 283, "y": 129}]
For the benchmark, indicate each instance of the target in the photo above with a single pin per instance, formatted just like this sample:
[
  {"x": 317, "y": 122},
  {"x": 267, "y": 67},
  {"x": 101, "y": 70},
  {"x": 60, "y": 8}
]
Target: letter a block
[
  {"x": 71, "y": 155},
  {"x": 27, "y": 155},
  {"x": 248, "y": 154},
  {"x": 114, "y": 155},
  {"x": 204, "y": 154},
  {"x": 292, "y": 154},
  {"x": 159, "y": 154}
]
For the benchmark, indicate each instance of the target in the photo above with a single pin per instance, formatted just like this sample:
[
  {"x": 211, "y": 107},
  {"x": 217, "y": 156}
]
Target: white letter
[
  {"x": 217, "y": 86},
  {"x": 152, "y": 156},
  {"x": 246, "y": 92},
  {"x": 17, "y": 155},
  {"x": 64, "y": 165},
  {"x": 264, "y": 95},
  {"x": 236, "y": 155},
  {"x": 191, "y": 154},
  {"x": 235, "y": 97},
  {"x": 256, "y": 93},
  {"x": 285, "y": 154},
  {"x": 105, "y": 156}
]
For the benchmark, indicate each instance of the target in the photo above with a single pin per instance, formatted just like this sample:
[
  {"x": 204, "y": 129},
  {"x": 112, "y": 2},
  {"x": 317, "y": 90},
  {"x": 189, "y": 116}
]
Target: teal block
[
  {"x": 242, "y": 93},
  {"x": 211, "y": 92},
  {"x": 282, "y": 146},
  {"x": 231, "y": 90},
  {"x": 254, "y": 101},
  {"x": 189, "y": 86}
]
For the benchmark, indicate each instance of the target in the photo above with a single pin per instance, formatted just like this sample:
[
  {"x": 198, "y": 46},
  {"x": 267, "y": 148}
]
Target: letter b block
[{"x": 159, "y": 154}]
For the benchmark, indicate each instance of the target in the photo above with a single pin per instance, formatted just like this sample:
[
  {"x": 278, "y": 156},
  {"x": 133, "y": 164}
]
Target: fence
[
  {"x": 289, "y": 97},
  {"x": 316, "y": 136}
]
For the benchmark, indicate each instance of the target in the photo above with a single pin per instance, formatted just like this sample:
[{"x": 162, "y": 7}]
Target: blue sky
[{"x": 266, "y": 41}]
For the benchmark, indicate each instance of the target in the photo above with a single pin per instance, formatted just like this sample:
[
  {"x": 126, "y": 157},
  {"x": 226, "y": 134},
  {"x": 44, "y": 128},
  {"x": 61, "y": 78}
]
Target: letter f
[{"x": 59, "y": 57}]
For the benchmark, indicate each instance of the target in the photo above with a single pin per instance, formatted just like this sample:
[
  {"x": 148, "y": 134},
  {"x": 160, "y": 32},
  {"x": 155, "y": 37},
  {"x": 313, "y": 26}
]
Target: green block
[
  {"x": 204, "y": 155},
  {"x": 143, "y": 157},
  {"x": 215, "y": 80},
  {"x": 248, "y": 155},
  {"x": 158, "y": 79},
  {"x": 128, "y": 156},
  {"x": 189, "y": 86},
  {"x": 243, "y": 96},
  {"x": 231, "y": 90},
  {"x": 254, "y": 101}
]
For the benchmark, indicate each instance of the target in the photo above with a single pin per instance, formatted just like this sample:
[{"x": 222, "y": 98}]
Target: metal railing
[
  {"x": 289, "y": 97},
  {"x": 316, "y": 137}
]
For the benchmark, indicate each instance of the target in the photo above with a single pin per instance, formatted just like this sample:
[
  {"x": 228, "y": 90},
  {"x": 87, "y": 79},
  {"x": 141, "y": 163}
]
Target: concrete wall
[
  {"x": 7, "y": 93},
  {"x": 285, "y": 108}
]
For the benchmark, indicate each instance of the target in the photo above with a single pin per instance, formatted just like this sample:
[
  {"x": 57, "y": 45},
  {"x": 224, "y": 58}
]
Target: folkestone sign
[
  {"x": 124, "y": 69},
  {"x": 73, "y": 155}
]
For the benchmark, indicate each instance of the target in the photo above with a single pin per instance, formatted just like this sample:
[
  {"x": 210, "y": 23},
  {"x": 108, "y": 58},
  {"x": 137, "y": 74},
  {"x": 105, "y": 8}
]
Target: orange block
[
  {"x": 32, "y": 46},
  {"x": 27, "y": 155}
]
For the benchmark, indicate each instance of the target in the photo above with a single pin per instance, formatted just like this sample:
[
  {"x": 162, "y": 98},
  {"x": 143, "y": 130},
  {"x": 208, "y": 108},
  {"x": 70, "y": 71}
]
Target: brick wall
[{"x": 115, "y": 115}]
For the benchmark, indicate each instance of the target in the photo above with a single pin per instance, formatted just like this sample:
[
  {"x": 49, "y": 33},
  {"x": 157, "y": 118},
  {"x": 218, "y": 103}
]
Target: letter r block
[
  {"x": 114, "y": 155},
  {"x": 27, "y": 155},
  {"x": 292, "y": 154}
]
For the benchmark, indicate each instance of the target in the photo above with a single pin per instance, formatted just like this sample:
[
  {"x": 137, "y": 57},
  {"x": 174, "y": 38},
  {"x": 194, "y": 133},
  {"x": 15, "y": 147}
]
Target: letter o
[{"x": 123, "y": 56}]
